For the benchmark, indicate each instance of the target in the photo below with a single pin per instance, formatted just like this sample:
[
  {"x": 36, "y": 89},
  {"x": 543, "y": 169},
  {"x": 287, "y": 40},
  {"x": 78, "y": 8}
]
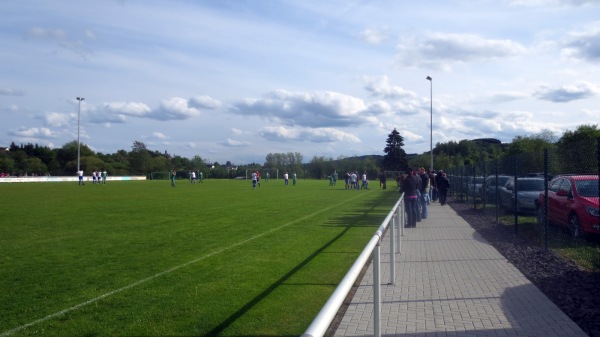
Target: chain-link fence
[{"x": 550, "y": 197}]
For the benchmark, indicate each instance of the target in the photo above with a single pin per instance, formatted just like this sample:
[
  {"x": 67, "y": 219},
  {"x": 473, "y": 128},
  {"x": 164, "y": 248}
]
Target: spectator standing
[
  {"x": 382, "y": 180},
  {"x": 408, "y": 186},
  {"x": 294, "y": 178},
  {"x": 442, "y": 186},
  {"x": 434, "y": 192},
  {"x": 424, "y": 190}
]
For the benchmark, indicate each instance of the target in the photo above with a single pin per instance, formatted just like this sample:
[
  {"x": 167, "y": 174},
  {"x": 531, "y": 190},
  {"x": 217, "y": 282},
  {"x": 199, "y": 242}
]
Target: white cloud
[
  {"x": 175, "y": 108},
  {"x": 133, "y": 109},
  {"x": 583, "y": 45},
  {"x": 567, "y": 93},
  {"x": 115, "y": 112},
  {"x": 374, "y": 35},
  {"x": 34, "y": 133},
  {"x": 57, "y": 119},
  {"x": 553, "y": 3},
  {"x": 327, "y": 135},
  {"x": 312, "y": 135},
  {"x": 279, "y": 133},
  {"x": 60, "y": 38},
  {"x": 235, "y": 143},
  {"x": 505, "y": 96},
  {"x": 11, "y": 92},
  {"x": 443, "y": 50},
  {"x": 319, "y": 77},
  {"x": 159, "y": 135},
  {"x": 381, "y": 87},
  {"x": 317, "y": 109},
  {"x": 410, "y": 136},
  {"x": 204, "y": 102}
]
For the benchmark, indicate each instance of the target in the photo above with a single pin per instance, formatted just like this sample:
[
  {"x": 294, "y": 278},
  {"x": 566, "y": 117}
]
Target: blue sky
[{"x": 236, "y": 80}]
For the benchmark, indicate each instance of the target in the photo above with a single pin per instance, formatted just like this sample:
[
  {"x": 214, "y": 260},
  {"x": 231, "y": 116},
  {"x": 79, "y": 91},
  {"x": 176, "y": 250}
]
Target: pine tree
[{"x": 395, "y": 157}]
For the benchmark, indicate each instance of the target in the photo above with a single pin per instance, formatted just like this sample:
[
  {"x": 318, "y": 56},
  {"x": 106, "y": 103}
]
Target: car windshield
[
  {"x": 587, "y": 188},
  {"x": 502, "y": 180},
  {"x": 530, "y": 185}
]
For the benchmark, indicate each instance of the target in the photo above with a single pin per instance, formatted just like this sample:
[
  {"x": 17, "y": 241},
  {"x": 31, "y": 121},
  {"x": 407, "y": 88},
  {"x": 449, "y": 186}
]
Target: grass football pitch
[{"x": 217, "y": 258}]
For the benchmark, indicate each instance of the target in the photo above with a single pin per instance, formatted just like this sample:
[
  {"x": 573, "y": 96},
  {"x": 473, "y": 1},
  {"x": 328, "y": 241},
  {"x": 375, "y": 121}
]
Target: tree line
[
  {"x": 468, "y": 152},
  {"x": 32, "y": 159}
]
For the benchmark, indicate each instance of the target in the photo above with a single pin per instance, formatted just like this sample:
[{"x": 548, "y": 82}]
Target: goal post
[{"x": 180, "y": 174}]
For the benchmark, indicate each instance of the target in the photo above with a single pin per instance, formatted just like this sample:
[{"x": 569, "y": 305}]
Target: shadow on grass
[{"x": 359, "y": 217}]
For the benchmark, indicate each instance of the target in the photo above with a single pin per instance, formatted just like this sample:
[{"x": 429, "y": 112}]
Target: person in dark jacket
[
  {"x": 442, "y": 185},
  {"x": 433, "y": 190},
  {"x": 382, "y": 180},
  {"x": 424, "y": 191},
  {"x": 408, "y": 186}
]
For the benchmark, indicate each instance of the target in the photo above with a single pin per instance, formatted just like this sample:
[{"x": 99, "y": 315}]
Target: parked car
[
  {"x": 573, "y": 203},
  {"x": 474, "y": 186},
  {"x": 490, "y": 187},
  {"x": 528, "y": 190}
]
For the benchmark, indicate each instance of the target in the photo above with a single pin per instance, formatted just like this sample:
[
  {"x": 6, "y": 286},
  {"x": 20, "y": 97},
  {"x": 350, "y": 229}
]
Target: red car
[{"x": 572, "y": 202}]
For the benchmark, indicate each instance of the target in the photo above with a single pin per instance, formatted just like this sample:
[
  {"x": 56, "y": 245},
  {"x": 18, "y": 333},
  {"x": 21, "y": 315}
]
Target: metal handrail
[{"x": 323, "y": 320}]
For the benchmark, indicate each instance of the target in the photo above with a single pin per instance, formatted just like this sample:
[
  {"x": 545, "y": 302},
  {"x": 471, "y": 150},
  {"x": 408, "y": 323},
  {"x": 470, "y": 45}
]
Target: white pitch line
[{"x": 80, "y": 305}]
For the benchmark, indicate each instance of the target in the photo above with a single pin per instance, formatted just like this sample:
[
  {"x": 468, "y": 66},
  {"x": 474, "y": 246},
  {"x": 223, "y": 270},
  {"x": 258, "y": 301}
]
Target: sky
[{"x": 237, "y": 80}]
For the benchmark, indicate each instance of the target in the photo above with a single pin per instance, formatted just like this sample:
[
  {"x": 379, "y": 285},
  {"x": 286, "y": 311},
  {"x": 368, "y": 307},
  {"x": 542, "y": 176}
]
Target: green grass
[{"x": 143, "y": 258}]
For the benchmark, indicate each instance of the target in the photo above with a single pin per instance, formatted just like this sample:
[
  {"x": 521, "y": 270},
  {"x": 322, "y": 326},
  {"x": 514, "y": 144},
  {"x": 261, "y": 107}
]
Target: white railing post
[
  {"x": 377, "y": 291},
  {"x": 400, "y": 216},
  {"x": 319, "y": 325},
  {"x": 392, "y": 252}
]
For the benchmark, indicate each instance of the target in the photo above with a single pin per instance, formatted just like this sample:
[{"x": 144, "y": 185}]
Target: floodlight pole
[
  {"x": 430, "y": 121},
  {"x": 78, "y": 143}
]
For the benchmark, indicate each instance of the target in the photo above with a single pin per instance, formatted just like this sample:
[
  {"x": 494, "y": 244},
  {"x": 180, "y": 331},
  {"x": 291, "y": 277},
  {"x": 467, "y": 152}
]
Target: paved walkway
[{"x": 452, "y": 282}]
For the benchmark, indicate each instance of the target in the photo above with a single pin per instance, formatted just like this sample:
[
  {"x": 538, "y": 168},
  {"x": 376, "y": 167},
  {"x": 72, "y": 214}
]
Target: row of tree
[
  {"x": 32, "y": 159},
  {"x": 469, "y": 152}
]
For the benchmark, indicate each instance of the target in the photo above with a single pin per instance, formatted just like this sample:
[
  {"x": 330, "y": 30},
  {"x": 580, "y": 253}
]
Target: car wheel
[{"x": 575, "y": 226}]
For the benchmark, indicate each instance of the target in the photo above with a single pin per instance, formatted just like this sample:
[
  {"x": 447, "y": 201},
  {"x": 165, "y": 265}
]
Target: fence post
[
  {"x": 515, "y": 204},
  {"x": 377, "y": 290},
  {"x": 598, "y": 167},
  {"x": 400, "y": 215},
  {"x": 392, "y": 253},
  {"x": 497, "y": 193},
  {"x": 545, "y": 224},
  {"x": 482, "y": 196}
]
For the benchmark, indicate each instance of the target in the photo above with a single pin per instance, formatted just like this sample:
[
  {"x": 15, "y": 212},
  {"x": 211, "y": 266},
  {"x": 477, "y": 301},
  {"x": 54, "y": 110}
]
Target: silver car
[
  {"x": 491, "y": 187},
  {"x": 527, "y": 192}
]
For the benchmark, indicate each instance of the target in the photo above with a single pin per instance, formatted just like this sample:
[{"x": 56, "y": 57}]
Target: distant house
[{"x": 4, "y": 149}]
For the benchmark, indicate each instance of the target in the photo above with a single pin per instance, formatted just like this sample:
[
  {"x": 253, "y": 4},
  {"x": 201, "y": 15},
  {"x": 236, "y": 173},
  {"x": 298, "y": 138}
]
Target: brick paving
[{"x": 452, "y": 282}]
